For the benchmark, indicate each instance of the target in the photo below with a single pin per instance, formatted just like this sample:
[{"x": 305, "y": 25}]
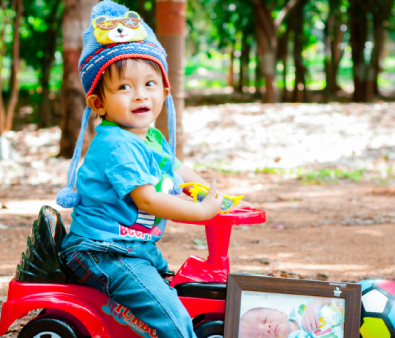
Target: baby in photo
[{"x": 321, "y": 317}]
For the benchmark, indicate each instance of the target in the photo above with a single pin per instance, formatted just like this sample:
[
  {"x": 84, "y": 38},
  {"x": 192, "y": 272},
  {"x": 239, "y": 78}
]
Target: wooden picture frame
[{"x": 263, "y": 286}]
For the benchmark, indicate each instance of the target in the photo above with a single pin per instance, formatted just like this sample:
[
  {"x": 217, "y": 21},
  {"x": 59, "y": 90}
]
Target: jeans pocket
[{"x": 85, "y": 265}]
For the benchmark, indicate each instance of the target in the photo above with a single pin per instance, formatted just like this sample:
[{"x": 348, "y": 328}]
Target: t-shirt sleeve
[
  {"x": 177, "y": 164},
  {"x": 129, "y": 166}
]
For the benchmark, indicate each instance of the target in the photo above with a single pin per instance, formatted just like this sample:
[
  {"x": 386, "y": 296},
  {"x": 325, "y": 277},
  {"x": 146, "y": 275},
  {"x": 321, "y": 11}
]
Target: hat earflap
[
  {"x": 171, "y": 115},
  {"x": 67, "y": 197}
]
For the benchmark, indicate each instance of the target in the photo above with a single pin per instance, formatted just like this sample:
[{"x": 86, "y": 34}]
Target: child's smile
[
  {"x": 133, "y": 100},
  {"x": 141, "y": 111}
]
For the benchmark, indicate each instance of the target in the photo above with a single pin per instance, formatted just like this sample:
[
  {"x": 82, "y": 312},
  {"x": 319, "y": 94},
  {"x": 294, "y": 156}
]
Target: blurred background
[{"x": 235, "y": 51}]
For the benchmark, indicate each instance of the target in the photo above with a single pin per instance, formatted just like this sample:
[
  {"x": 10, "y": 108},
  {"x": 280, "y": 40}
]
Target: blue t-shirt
[{"x": 117, "y": 162}]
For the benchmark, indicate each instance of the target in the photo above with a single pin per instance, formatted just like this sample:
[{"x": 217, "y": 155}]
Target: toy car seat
[{"x": 40, "y": 262}]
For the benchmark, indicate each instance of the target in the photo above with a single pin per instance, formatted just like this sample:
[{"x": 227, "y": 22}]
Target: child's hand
[
  {"x": 310, "y": 320},
  {"x": 212, "y": 204}
]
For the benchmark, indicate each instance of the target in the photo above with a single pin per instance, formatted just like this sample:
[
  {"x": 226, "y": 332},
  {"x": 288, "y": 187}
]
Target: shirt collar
[{"x": 106, "y": 123}]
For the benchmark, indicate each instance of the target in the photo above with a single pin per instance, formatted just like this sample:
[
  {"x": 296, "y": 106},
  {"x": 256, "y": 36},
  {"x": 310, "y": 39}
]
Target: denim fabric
[{"x": 129, "y": 273}]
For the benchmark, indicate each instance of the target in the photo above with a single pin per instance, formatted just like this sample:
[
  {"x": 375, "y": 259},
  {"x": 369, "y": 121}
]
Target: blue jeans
[{"x": 129, "y": 273}]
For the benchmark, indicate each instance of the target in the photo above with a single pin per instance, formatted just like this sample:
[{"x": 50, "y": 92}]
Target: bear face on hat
[{"x": 121, "y": 29}]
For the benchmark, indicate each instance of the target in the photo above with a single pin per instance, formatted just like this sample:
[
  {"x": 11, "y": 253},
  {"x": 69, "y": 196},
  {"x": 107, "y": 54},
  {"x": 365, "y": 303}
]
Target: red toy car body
[{"x": 73, "y": 310}]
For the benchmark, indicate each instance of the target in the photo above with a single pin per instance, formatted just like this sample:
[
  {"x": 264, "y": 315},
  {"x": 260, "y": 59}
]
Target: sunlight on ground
[
  {"x": 370, "y": 232},
  {"x": 28, "y": 207},
  {"x": 253, "y": 136}
]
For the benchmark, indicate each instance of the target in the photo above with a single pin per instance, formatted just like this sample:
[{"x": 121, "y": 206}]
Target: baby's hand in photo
[
  {"x": 212, "y": 203},
  {"x": 310, "y": 320}
]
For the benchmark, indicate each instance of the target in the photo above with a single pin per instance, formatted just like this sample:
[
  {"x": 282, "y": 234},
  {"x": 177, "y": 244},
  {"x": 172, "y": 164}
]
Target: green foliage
[
  {"x": 331, "y": 176},
  {"x": 37, "y": 16}
]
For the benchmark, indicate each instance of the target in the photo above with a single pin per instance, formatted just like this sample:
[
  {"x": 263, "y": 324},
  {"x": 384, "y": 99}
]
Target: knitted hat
[{"x": 115, "y": 33}]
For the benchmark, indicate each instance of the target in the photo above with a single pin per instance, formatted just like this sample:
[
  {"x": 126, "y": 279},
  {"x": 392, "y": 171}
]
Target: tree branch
[{"x": 283, "y": 13}]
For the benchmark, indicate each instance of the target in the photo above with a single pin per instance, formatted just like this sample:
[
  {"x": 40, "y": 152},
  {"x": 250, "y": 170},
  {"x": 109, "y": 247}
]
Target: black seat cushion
[{"x": 39, "y": 262}]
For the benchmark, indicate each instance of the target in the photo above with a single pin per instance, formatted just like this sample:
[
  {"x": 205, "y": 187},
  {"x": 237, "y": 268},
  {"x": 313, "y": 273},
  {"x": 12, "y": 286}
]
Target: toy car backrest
[{"x": 39, "y": 262}]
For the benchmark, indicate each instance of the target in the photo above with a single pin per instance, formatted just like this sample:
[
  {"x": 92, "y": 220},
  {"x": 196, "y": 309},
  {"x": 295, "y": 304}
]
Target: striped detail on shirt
[{"x": 145, "y": 219}]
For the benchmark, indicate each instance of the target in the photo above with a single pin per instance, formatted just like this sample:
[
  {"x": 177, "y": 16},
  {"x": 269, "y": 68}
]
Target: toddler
[
  {"x": 129, "y": 174},
  {"x": 322, "y": 317}
]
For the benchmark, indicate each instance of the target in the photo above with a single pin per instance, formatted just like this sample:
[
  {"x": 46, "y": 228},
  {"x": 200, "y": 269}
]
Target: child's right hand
[{"x": 211, "y": 204}]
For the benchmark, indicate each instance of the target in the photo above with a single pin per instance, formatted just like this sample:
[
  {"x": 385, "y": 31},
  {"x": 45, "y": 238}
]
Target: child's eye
[
  {"x": 124, "y": 87},
  {"x": 151, "y": 83}
]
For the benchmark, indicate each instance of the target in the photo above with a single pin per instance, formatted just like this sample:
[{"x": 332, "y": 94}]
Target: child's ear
[
  {"x": 166, "y": 92},
  {"x": 93, "y": 102}
]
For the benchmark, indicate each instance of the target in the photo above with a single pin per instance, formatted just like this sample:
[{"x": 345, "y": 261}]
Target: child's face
[
  {"x": 264, "y": 323},
  {"x": 133, "y": 101}
]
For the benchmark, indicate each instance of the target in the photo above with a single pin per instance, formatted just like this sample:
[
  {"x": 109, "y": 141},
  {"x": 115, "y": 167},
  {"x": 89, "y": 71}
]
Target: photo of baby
[{"x": 273, "y": 315}]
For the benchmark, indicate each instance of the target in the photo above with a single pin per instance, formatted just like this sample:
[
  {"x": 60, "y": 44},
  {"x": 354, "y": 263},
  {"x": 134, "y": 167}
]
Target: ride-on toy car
[{"x": 71, "y": 309}]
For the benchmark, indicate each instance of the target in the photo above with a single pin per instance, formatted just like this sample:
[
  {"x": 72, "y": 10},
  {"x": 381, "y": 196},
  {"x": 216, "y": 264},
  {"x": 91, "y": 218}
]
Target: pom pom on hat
[{"x": 67, "y": 198}]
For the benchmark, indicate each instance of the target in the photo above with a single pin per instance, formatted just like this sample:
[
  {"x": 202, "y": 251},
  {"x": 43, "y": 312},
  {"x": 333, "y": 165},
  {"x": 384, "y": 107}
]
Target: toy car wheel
[
  {"x": 48, "y": 327},
  {"x": 210, "y": 329}
]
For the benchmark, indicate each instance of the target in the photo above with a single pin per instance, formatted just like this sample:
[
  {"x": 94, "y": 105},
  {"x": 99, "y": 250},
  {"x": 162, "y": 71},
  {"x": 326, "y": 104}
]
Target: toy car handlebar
[{"x": 235, "y": 217}]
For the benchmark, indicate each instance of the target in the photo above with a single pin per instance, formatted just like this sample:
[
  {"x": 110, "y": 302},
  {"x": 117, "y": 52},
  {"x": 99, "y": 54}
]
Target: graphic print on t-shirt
[{"x": 145, "y": 219}]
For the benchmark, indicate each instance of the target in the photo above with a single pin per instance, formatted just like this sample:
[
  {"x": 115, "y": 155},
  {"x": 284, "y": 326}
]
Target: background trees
[
  {"x": 76, "y": 18},
  {"x": 285, "y": 50}
]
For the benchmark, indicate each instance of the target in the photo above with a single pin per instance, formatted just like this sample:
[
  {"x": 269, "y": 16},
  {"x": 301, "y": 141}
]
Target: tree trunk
[
  {"x": 282, "y": 54},
  {"x": 373, "y": 70},
  {"x": 333, "y": 54},
  {"x": 170, "y": 31},
  {"x": 266, "y": 28},
  {"x": 267, "y": 44},
  {"x": 297, "y": 15},
  {"x": 258, "y": 72},
  {"x": 231, "y": 74},
  {"x": 359, "y": 32},
  {"x": 381, "y": 13},
  {"x": 15, "y": 68},
  {"x": 47, "y": 63},
  {"x": 76, "y": 18},
  {"x": 244, "y": 62},
  {"x": 380, "y": 63},
  {"x": 2, "y": 54}
]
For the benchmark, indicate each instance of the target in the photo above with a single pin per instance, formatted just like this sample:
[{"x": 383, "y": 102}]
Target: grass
[
  {"x": 323, "y": 176},
  {"x": 314, "y": 177}
]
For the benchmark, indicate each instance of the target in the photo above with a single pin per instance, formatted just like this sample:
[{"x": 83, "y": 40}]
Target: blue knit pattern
[{"x": 92, "y": 63}]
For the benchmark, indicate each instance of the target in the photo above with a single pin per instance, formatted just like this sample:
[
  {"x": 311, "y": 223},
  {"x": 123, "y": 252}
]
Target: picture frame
[{"x": 249, "y": 293}]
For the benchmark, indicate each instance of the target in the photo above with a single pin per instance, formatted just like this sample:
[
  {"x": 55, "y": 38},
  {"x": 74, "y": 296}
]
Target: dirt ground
[{"x": 336, "y": 232}]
